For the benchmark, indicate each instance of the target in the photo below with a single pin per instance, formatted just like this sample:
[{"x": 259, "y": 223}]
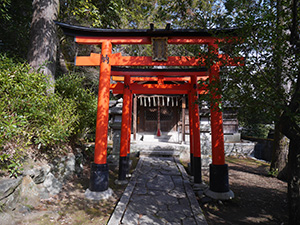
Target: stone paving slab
[{"x": 159, "y": 192}]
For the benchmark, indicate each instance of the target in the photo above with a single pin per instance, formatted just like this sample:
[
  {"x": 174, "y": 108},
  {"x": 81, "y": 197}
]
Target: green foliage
[
  {"x": 264, "y": 86},
  {"x": 28, "y": 116},
  {"x": 103, "y": 14},
  {"x": 26, "y": 109},
  {"x": 256, "y": 130},
  {"x": 273, "y": 173},
  {"x": 31, "y": 118},
  {"x": 4, "y": 5},
  {"x": 138, "y": 14},
  {"x": 72, "y": 87},
  {"x": 15, "y": 168}
]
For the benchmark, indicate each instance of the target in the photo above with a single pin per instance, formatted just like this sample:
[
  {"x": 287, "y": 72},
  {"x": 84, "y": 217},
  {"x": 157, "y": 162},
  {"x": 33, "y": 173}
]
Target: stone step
[
  {"x": 162, "y": 146},
  {"x": 158, "y": 153},
  {"x": 159, "y": 149},
  {"x": 171, "y": 137}
]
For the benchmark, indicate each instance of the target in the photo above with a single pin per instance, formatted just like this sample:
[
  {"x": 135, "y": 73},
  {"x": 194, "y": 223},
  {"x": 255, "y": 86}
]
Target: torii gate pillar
[
  {"x": 218, "y": 170},
  {"x": 191, "y": 122},
  {"x": 125, "y": 133},
  {"x": 99, "y": 169},
  {"x": 196, "y": 133}
]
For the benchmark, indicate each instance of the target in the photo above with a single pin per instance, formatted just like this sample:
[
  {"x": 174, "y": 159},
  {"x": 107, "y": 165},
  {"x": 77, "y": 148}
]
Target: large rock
[
  {"x": 9, "y": 193},
  {"x": 18, "y": 192},
  {"x": 39, "y": 181},
  {"x": 64, "y": 167},
  {"x": 69, "y": 165},
  {"x": 239, "y": 149},
  {"x": 52, "y": 184},
  {"x": 38, "y": 174},
  {"x": 29, "y": 194},
  {"x": 8, "y": 186}
]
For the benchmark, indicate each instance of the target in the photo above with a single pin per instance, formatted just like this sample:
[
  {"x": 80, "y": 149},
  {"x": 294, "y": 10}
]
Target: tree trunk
[
  {"x": 43, "y": 39},
  {"x": 294, "y": 181},
  {"x": 62, "y": 66},
  {"x": 291, "y": 129},
  {"x": 280, "y": 150}
]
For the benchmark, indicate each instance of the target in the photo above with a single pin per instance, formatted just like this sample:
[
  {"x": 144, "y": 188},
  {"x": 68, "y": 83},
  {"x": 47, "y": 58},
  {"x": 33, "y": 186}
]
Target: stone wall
[
  {"x": 38, "y": 181},
  {"x": 263, "y": 150},
  {"x": 243, "y": 148}
]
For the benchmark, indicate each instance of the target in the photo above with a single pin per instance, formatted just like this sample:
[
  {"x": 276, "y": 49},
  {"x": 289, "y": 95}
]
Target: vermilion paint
[
  {"x": 191, "y": 122},
  {"x": 217, "y": 141},
  {"x": 119, "y": 60},
  {"x": 100, "y": 154},
  {"x": 125, "y": 118},
  {"x": 196, "y": 121},
  {"x": 129, "y": 124}
]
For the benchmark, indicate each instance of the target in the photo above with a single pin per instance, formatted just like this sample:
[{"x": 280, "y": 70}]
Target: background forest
[{"x": 46, "y": 103}]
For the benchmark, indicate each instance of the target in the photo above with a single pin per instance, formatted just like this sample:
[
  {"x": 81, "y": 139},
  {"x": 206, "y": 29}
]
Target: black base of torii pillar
[{"x": 218, "y": 183}]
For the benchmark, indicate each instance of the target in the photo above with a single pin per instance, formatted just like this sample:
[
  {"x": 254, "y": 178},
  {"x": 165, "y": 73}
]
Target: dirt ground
[{"x": 259, "y": 198}]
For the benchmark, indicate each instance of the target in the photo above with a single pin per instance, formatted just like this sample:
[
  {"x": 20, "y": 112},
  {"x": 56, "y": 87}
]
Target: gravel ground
[{"x": 259, "y": 198}]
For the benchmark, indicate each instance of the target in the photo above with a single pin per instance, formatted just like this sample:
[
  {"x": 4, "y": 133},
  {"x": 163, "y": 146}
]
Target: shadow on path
[{"x": 158, "y": 193}]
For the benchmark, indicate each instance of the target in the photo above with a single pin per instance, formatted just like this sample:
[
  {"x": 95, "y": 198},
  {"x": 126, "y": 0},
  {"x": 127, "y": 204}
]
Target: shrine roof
[{"x": 73, "y": 30}]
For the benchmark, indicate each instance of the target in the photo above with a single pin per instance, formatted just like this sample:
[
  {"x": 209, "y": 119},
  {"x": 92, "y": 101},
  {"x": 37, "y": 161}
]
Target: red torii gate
[
  {"x": 106, "y": 37},
  {"x": 191, "y": 89}
]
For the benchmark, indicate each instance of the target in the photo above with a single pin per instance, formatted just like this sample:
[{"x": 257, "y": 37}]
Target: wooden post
[
  {"x": 217, "y": 138},
  {"x": 183, "y": 118},
  {"x": 191, "y": 122},
  {"x": 129, "y": 125},
  {"x": 196, "y": 132},
  {"x": 125, "y": 128},
  {"x": 99, "y": 169},
  {"x": 218, "y": 156},
  {"x": 134, "y": 117},
  {"x": 158, "y": 119},
  {"x": 218, "y": 176}
]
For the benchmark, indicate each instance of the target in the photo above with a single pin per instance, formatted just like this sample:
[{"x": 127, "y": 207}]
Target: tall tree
[
  {"x": 279, "y": 156},
  {"x": 269, "y": 84},
  {"x": 290, "y": 121},
  {"x": 43, "y": 38}
]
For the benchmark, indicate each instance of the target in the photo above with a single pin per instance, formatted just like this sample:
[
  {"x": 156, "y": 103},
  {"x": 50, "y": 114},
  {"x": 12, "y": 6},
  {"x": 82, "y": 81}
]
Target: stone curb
[
  {"x": 117, "y": 215},
  {"x": 97, "y": 196},
  {"x": 197, "y": 211}
]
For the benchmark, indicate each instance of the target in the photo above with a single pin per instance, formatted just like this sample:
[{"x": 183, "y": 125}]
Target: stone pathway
[{"x": 159, "y": 192}]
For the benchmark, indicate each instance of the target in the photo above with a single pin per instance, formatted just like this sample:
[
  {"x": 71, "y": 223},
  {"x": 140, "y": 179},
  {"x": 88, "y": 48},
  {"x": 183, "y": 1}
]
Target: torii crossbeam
[{"x": 163, "y": 81}]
